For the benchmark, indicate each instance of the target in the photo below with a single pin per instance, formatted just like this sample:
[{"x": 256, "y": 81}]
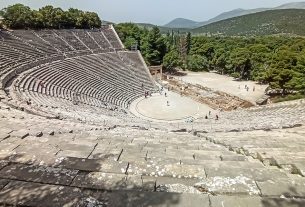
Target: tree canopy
[
  {"x": 151, "y": 43},
  {"x": 19, "y": 16}
]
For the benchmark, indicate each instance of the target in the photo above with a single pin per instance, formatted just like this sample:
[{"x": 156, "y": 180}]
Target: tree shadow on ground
[
  {"x": 175, "y": 72},
  {"x": 288, "y": 200},
  {"x": 23, "y": 192}
]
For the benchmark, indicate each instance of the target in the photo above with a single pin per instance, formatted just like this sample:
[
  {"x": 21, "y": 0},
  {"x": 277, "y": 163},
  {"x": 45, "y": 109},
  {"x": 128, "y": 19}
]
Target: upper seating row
[{"x": 21, "y": 46}]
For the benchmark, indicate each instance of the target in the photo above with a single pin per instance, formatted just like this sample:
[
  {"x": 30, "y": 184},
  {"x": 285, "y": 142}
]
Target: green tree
[
  {"x": 197, "y": 63},
  {"x": 130, "y": 42},
  {"x": 188, "y": 42},
  {"x": 17, "y": 16},
  {"x": 236, "y": 75},
  {"x": 281, "y": 79},
  {"x": 183, "y": 48},
  {"x": 241, "y": 62},
  {"x": 93, "y": 20},
  {"x": 153, "y": 47},
  {"x": 130, "y": 34},
  {"x": 172, "y": 60},
  {"x": 87, "y": 20},
  {"x": 72, "y": 16},
  {"x": 37, "y": 20},
  {"x": 52, "y": 17}
]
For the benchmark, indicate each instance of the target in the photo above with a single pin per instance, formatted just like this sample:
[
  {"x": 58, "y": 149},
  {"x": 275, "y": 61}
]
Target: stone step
[
  {"x": 174, "y": 185},
  {"x": 39, "y": 174},
  {"x": 259, "y": 174},
  {"x": 92, "y": 165},
  {"x": 110, "y": 181},
  {"x": 238, "y": 185},
  {"x": 22, "y": 133},
  {"x": 7, "y": 148},
  {"x": 279, "y": 155},
  {"x": 3, "y": 135},
  {"x": 3, "y": 182},
  {"x": 233, "y": 158},
  {"x": 34, "y": 194},
  {"x": 224, "y": 164},
  {"x": 253, "y": 201},
  {"x": 101, "y": 152},
  {"x": 240, "y": 201},
  {"x": 299, "y": 168},
  {"x": 167, "y": 167},
  {"x": 287, "y": 188}
]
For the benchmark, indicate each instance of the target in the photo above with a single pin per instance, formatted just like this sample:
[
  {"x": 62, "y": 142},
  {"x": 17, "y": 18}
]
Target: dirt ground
[
  {"x": 226, "y": 84},
  {"x": 171, "y": 108}
]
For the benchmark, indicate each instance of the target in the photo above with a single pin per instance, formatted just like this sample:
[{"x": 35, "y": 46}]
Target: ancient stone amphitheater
[{"x": 68, "y": 138}]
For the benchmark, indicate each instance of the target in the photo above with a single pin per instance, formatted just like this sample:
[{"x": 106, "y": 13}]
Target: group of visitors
[
  {"x": 29, "y": 102},
  {"x": 41, "y": 83},
  {"x": 147, "y": 93},
  {"x": 248, "y": 88},
  {"x": 210, "y": 114}
]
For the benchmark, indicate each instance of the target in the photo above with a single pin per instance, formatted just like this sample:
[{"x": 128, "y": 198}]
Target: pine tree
[
  {"x": 188, "y": 42},
  {"x": 153, "y": 47}
]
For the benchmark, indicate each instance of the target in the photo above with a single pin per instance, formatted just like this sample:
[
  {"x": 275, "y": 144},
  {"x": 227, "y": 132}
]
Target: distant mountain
[
  {"x": 186, "y": 23},
  {"x": 233, "y": 13},
  {"x": 104, "y": 22},
  {"x": 294, "y": 5},
  {"x": 163, "y": 29},
  {"x": 181, "y": 23},
  {"x": 270, "y": 22}
]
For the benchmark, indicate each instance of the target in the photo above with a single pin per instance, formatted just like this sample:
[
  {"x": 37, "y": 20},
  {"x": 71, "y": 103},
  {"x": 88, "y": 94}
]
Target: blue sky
[{"x": 152, "y": 11}]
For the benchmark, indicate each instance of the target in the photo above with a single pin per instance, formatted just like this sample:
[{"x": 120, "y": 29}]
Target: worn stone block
[
  {"x": 38, "y": 174},
  {"x": 22, "y": 133},
  {"x": 157, "y": 199},
  {"x": 287, "y": 188},
  {"x": 102, "y": 181},
  {"x": 34, "y": 194}
]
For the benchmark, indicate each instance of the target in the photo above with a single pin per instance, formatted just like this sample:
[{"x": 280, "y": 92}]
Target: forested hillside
[{"x": 286, "y": 21}]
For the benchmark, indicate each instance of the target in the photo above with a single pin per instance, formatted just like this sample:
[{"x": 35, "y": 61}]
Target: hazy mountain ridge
[
  {"x": 270, "y": 22},
  {"x": 186, "y": 23},
  {"x": 163, "y": 29}
]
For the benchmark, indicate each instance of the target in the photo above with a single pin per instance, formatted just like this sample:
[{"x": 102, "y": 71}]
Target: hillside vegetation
[{"x": 286, "y": 21}]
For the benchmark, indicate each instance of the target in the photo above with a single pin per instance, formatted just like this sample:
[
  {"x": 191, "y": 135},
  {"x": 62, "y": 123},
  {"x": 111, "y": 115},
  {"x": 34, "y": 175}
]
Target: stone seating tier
[
  {"x": 103, "y": 79},
  {"x": 41, "y": 159}
]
